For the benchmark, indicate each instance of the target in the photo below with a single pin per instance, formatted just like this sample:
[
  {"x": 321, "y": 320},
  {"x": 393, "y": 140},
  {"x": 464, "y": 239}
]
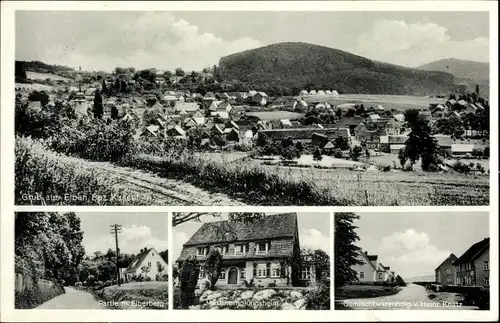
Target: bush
[
  {"x": 250, "y": 283},
  {"x": 337, "y": 153},
  {"x": 272, "y": 284},
  {"x": 319, "y": 299},
  {"x": 384, "y": 168}
]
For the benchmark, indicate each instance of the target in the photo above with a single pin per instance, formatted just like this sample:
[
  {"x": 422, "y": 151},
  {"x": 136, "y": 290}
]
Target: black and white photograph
[
  {"x": 251, "y": 261},
  {"x": 412, "y": 261},
  {"x": 80, "y": 260},
  {"x": 235, "y": 108}
]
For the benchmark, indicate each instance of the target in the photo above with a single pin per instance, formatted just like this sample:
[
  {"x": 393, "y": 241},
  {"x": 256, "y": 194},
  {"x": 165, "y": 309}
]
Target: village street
[
  {"x": 410, "y": 297},
  {"x": 72, "y": 299}
]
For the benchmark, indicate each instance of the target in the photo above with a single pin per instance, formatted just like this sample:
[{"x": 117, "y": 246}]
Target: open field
[
  {"x": 398, "y": 102},
  {"x": 44, "y": 76},
  {"x": 326, "y": 161},
  {"x": 277, "y": 185},
  {"x": 390, "y": 159},
  {"x": 275, "y": 115}
]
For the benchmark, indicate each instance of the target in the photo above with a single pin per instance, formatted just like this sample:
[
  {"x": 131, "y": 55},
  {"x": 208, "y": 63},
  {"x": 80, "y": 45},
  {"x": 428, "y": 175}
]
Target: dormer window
[
  {"x": 262, "y": 247},
  {"x": 239, "y": 249},
  {"x": 201, "y": 251},
  {"x": 222, "y": 249}
]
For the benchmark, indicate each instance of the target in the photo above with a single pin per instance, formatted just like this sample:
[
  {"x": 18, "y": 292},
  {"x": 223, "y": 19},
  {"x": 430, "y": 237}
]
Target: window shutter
[
  {"x": 282, "y": 267},
  {"x": 254, "y": 270},
  {"x": 268, "y": 269}
]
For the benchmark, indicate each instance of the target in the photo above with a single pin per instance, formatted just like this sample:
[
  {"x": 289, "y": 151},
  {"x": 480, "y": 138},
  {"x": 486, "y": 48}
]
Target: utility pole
[{"x": 115, "y": 229}]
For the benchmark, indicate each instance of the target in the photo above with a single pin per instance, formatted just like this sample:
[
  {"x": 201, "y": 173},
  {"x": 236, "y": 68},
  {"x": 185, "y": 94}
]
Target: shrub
[
  {"x": 355, "y": 153},
  {"x": 272, "y": 284},
  {"x": 213, "y": 267},
  {"x": 337, "y": 153},
  {"x": 319, "y": 299},
  {"x": 250, "y": 283},
  {"x": 384, "y": 168},
  {"x": 188, "y": 275}
]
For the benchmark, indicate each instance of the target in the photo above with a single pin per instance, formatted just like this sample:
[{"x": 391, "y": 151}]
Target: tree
[
  {"x": 317, "y": 155},
  {"x": 41, "y": 97},
  {"x": 179, "y": 72},
  {"x": 188, "y": 278},
  {"x": 421, "y": 144},
  {"x": 262, "y": 139},
  {"x": 341, "y": 143},
  {"x": 20, "y": 72},
  {"x": 98, "y": 108},
  {"x": 160, "y": 267},
  {"x": 104, "y": 87},
  {"x": 400, "y": 281},
  {"x": 212, "y": 267},
  {"x": 114, "y": 112},
  {"x": 367, "y": 153},
  {"x": 346, "y": 252},
  {"x": 402, "y": 157},
  {"x": 355, "y": 153},
  {"x": 145, "y": 270}
]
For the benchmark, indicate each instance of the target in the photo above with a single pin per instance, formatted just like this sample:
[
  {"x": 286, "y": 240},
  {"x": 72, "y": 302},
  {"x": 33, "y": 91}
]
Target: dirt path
[
  {"x": 412, "y": 297},
  {"x": 161, "y": 191},
  {"x": 73, "y": 299}
]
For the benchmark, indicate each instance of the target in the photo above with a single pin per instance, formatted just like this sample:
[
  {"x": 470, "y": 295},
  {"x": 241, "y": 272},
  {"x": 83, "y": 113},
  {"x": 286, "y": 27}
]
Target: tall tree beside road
[
  {"x": 346, "y": 252},
  {"x": 98, "y": 108}
]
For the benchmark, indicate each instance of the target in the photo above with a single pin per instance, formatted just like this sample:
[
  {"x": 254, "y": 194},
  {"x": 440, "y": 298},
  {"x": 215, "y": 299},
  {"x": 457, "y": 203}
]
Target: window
[
  {"x": 380, "y": 275},
  {"x": 275, "y": 272},
  {"x": 448, "y": 280},
  {"x": 202, "y": 273},
  {"x": 152, "y": 254},
  {"x": 158, "y": 264},
  {"x": 243, "y": 273},
  {"x": 254, "y": 270},
  {"x": 239, "y": 249},
  {"x": 262, "y": 247},
  {"x": 222, "y": 274},
  {"x": 486, "y": 281},
  {"x": 149, "y": 263},
  {"x": 448, "y": 271},
  {"x": 362, "y": 275},
  {"x": 486, "y": 265},
  {"x": 201, "y": 251},
  {"x": 306, "y": 273},
  {"x": 261, "y": 270},
  {"x": 268, "y": 269}
]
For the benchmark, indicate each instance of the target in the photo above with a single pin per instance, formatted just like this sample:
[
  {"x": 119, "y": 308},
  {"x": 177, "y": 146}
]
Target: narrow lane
[{"x": 72, "y": 299}]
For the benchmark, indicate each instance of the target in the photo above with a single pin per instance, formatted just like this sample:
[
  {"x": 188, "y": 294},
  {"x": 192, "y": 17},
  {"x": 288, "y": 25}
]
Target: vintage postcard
[{"x": 179, "y": 161}]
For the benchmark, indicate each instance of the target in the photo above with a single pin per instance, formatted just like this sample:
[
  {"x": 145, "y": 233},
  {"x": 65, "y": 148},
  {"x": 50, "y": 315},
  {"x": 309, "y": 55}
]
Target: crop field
[
  {"x": 398, "y": 102},
  {"x": 275, "y": 115},
  {"x": 277, "y": 185},
  {"x": 44, "y": 76},
  {"x": 34, "y": 87}
]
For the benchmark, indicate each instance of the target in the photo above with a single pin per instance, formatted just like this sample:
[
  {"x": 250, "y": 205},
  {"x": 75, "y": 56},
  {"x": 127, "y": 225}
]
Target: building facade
[
  {"x": 445, "y": 272},
  {"x": 265, "y": 251},
  {"x": 473, "y": 268}
]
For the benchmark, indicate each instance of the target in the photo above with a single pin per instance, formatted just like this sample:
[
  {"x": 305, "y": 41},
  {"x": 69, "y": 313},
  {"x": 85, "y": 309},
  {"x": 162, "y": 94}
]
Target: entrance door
[{"x": 233, "y": 276}]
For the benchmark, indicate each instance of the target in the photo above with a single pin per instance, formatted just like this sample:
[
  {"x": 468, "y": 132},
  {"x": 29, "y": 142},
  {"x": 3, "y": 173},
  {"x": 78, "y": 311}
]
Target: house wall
[
  {"x": 445, "y": 274},
  {"x": 367, "y": 269},
  {"x": 482, "y": 275},
  {"x": 152, "y": 260},
  {"x": 465, "y": 274}
]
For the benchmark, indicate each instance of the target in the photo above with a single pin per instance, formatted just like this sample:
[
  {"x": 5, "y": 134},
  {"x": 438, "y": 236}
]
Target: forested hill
[
  {"x": 302, "y": 65},
  {"x": 476, "y": 71}
]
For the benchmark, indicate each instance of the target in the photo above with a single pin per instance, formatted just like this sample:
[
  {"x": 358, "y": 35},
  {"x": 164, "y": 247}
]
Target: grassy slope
[
  {"x": 364, "y": 291},
  {"x": 300, "y": 64}
]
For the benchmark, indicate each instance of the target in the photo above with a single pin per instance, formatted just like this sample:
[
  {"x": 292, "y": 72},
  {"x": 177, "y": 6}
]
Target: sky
[
  {"x": 103, "y": 40},
  {"x": 314, "y": 231},
  {"x": 414, "y": 244},
  {"x": 139, "y": 230}
]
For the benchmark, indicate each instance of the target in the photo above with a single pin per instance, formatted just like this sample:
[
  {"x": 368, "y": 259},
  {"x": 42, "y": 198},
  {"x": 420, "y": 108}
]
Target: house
[
  {"x": 461, "y": 149},
  {"x": 321, "y": 92},
  {"x": 396, "y": 143},
  {"x": 445, "y": 272},
  {"x": 312, "y": 92},
  {"x": 335, "y": 93},
  {"x": 444, "y": 141},
  {"x": 148, "y": 263},
  {"x": 260, "y": 98},
  {"x": 232, "y": 134},
  {"x": 305, "y": 134},
  {"x": 328, "y": 92},
  {"x": 370, "y": 270},
  {"x": 303, "y": 92},
  {"x": 329, "y": 147},
  {"x": 451, "y": 103},
  {"x": 266, "y": 250},
  {"x": 473, "y": 267},
  {"x": 176, "y": 132},
  {"x": 189, "y": 107},
  {"x": 151, "y": 131},
  {"x": 209, "y": 96},
  {"x": 224, "y": 106}
]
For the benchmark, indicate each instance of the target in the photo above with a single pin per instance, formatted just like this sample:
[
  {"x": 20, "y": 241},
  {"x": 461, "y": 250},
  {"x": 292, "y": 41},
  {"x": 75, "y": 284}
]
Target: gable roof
[
  {"x": 136, "y": 264},
  {"x": 368, "y": 259},
  {"x": 186, "y": 106},
  {"x": 270, "y": 226},
  {"x": 473, "y": 252},
  {"x": 452, "y": 257}
]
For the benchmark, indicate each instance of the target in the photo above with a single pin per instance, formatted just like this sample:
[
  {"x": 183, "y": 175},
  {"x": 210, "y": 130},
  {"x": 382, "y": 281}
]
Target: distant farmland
[
  {"x": 275, "y": 115},
  {"x": 398, "y": 102},
  {"x": 44, "y": 76}
]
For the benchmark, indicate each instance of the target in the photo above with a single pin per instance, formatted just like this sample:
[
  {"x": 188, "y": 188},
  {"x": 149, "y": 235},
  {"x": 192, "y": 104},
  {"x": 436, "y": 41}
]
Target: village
[
  {"x": 459, "y": 282},
  {"x": 162, "y": 106}
]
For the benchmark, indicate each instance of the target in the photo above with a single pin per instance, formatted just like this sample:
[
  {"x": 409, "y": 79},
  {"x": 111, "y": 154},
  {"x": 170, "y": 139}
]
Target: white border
[{"x": 7, "y": 171}]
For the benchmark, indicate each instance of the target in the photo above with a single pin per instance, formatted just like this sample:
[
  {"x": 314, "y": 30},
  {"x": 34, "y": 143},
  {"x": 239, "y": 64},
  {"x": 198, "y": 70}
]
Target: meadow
[
  {"x": 44, "y": 76},
  {"x": 398, "y": 102}
]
